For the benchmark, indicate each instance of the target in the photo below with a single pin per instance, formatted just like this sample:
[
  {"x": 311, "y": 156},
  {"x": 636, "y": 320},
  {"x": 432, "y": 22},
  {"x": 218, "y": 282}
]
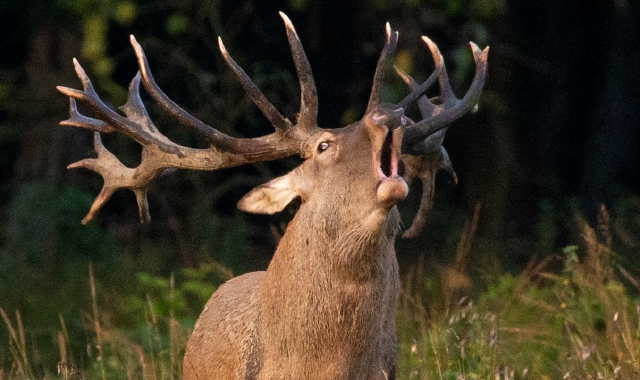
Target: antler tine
[
  {"x": 307, "y": 118},
  {"x": 434, "y": 141},
  {"x": 134, "y": 108},
  {"x": 213, "y": 136},
  {"x": 115, "y": 176},
  {"x": 451, "y": 107},
  {"x": 378, "y": 78},
  {"x": 109, "y": 120},
  {"x": 425, "y": 106},
  {"x": 81, "y": 121},
  {"x": 425, "y": 167},
  {"x": 446, "y": 93},
  {"x": 272, "y": 114},
  {"x": 308, "y": 115}
]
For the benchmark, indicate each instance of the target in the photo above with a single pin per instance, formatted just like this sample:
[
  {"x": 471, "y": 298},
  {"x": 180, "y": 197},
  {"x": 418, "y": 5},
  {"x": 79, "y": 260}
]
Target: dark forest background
[{"x": 556, "y": 134}]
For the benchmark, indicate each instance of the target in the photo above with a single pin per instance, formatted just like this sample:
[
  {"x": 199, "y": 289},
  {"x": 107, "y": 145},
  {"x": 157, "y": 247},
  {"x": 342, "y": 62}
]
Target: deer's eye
[{"x": 323, "y": 146}]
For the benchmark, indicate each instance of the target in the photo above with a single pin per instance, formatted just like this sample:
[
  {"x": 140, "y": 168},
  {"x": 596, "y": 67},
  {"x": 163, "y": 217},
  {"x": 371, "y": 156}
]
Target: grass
[
  {"x": 576, "y": 323},
  {"x": 567, "y": 316},
  {"x": 150, "y": 349}
]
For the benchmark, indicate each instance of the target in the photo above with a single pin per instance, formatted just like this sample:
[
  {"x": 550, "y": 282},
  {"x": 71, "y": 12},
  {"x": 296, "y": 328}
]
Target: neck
[
  {"x": 353, "y": 246},
  {"x": 332, "y": 283}
]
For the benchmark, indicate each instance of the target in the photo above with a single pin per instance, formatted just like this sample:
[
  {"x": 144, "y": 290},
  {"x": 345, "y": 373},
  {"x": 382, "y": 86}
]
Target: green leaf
[
  {"x": 177, "y": 24},
  {"x": 125, "y": 12}
]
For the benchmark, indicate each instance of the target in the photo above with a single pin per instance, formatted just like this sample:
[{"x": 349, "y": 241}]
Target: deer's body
[
  {"x": 325, "y": 307},
  {"x": 336, "y": 323},
  {"x": 228, "y": 349}
]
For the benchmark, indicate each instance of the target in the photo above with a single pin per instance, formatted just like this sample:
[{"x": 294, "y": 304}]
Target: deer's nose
[{"x": 389, "y": 117}]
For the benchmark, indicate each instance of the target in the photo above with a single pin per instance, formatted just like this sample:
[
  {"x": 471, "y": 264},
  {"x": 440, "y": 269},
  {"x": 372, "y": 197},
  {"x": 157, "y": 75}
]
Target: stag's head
[
  {"x": 359, "y": 162},
  {"x": 362, "y": 162}
]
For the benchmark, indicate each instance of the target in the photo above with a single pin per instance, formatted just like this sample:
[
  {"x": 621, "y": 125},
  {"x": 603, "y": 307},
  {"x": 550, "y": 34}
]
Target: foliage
[
  {"x": 45, "y": 250},
  {"x": 146, "y": 342},
  {"x": 159, "y": 316},
  {"x": 179, "y": 297},
  {"x": 580, "y": 323}
]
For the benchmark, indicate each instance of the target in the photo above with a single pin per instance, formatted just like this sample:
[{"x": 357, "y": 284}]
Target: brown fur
[{"x": 325, "y": 307}]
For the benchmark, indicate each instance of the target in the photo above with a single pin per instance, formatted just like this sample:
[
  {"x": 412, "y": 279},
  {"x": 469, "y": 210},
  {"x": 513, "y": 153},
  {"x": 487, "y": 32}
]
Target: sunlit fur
[{"x": 325, "y": 308}]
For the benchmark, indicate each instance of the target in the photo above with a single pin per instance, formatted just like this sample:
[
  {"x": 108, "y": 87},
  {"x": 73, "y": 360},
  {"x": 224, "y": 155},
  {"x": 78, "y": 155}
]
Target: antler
[
  {"x": 448, "y": 108},
  {"x": 159, "y": 153},
  {"x": 423, "y": 154},
  {"x": 385, "y": 57},
  {"x": 425, "y": 166}
]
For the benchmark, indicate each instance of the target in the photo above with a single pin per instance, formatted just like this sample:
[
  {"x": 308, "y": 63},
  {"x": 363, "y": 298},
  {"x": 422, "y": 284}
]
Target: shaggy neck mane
[{"x": 352, "y": 244}]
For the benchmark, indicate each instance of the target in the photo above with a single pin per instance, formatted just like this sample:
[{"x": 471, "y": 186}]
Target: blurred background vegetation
[{"x": 552, "y": 150}]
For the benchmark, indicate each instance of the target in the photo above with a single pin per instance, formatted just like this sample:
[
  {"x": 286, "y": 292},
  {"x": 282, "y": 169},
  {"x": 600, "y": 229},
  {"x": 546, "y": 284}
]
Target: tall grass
[
  {"x": 152, "y": 350},
  {"x": 17, "y": 346},
  {"x": 576, "y": 323}
]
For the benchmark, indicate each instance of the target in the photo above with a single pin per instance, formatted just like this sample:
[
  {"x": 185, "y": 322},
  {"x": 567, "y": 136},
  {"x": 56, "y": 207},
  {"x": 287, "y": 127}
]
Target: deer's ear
[{"x": 271, "y": 197}]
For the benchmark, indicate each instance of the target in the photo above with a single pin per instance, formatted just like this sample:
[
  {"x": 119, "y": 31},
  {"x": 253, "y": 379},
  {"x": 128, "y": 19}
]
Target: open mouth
[
  {"x": 389, "y": 156},
  {"x": 391, "y": 187},
  {"x": 386, "y": 159}
]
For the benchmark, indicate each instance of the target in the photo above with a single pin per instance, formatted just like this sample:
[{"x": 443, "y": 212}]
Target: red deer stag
[{"x": 324, "y": 308}]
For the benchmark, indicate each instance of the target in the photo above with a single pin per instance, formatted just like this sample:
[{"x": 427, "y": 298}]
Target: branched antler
[
  {"x": 423, "y": 153},
  {"x": 449, "y": 107},
  {"x": 159, "y": 153}
]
